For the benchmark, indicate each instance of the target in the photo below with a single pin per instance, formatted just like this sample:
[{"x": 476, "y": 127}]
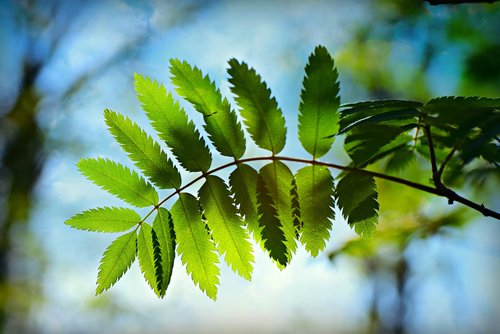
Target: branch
[{"x": 442, "y": 191}]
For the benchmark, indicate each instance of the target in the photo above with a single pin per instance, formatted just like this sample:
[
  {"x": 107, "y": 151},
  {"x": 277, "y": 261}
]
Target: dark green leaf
[
  {"x": 164, "y": 229},
  {"x": 149, "y": 262},
  {"x": 357, "y": 197}
]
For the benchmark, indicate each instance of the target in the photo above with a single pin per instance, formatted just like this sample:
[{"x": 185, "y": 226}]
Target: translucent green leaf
[
  {"x": 226, "y": 226},
  {"x": 243, "y": 182},
  {"x": 149, "y": 261},
  {"x": 318, "y": 117},
  {"x": 106, "y": 219},
  {"x": 357, "y": 197},
  {"x": 164, "y": 229},
  {"x": 315, "y": 193},
  {"x": 194, "y": 244},
  {"x": 221, "y": 123},
  {"x": 119, "y": 181},
  {"x": 173, "y": 125},
  {"x": 273, "y": 237},
  {"x": 262, "y": 116},
  {"x": 143, "y": 151},
  {"x": 116, "y": 260},
  {"x": 278, "y": 179}
]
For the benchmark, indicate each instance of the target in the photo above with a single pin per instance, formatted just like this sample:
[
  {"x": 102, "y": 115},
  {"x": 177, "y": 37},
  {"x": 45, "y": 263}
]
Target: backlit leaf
[
  {"x": 149, "y": 261},
  {"x": 220, "y": 121},
  {"x": 116, "y": 260},
  {"x": 173, "y": 125},
  {"x": 106, "y": 219},
  {"x": 262, "y": 116},
  {"x": 357, "y": 197},
  {"x": 143, "y": 151},
  {"x": 226, "y": 226},
  {"x": 164, "y": 229},
  {"x": 243, "y": 181},
  {"x": 194, "y": 244},
  {"x": 318, "y": 117},
  {"x": 278, "y": 180},
  {"x": 315, "y": 193},
  {"x": 119, "y": 180}
]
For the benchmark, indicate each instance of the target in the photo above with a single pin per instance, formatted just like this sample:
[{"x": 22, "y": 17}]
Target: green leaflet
[
  {"x": 315, "y": 194},
  {"x": 262, "y": 116},
  {"x": 148, "y": 253},
  {"x": 164, "y": 229},
  {"x": 119, "y": 180},
  {"x": 273, "y": 237},
  {"x": 226, "y": 226},
  {"x": 372, "y": 112},
  {"x": 173, "y": 125},
  {"x": 369, "y": 143},
  {"x": 277, "y": 179},
  {"x": 221, "y": 123},
  {"x": 116, "y": 260},
  {"x": 106, "y": 219},
  {"x": 194, "y": 244},
  {"x": 143, "y": 151},
  {"x": 243, "y": 182},
  {"x": 400, "y": 159},
  {"x": 357, "y": 197},
  {"x": 318, "y": 117}
]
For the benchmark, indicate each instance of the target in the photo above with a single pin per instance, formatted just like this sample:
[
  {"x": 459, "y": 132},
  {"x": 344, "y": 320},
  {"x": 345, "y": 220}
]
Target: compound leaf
[
  {"x": 315, "y": 191},
  {"x": 106, "y": 219},
  {"x": 149, "y": 257},
  {"x": 318, "y": 117},
  {"x": 243, "y": 182},
  {"x": 357, "y": 197},
  {"x": 164, "y": 230},
  {"x": 226, "y": 226},
  {"x": 116, "y": 260},
  {"x": 262, "y": 116},
  {"x": 119, "y": 180},
  {"x": 173, "y": 125},
  {"x": 221, "y": 123},
  {"x": 194, "y": 244},
  {"x": 143, "y": 151}
]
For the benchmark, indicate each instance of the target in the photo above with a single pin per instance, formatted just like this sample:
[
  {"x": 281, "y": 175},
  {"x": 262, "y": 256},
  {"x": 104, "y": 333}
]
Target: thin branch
[
  {"x": 447, "y": 159},
  {"x": 441, "y": 191}
]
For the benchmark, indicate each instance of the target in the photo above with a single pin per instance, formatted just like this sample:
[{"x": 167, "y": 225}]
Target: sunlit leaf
[
  {"x": 105, "y": 219},
  {"x": 262, "y": 116},
  {"x": 315, "y": 194},
  {"x": 149, "y": 261},
  {"x": 318, "y": 117},
  {"x": 119, "y": 180},
  {"x": 220, "y": 121},
  {"x": 164, "y": 230},
  {"x": 194, "y": 244},
  {"x": 226, "y": 226},
  {"x": 143, "y": 151},
  {"x": 116, "y": 260},
  {"x": 173, "y": 125}
]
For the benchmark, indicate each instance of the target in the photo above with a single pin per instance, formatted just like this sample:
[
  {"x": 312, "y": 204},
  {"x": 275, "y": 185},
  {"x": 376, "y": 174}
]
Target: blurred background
[{"x": 432, "y": 268}]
